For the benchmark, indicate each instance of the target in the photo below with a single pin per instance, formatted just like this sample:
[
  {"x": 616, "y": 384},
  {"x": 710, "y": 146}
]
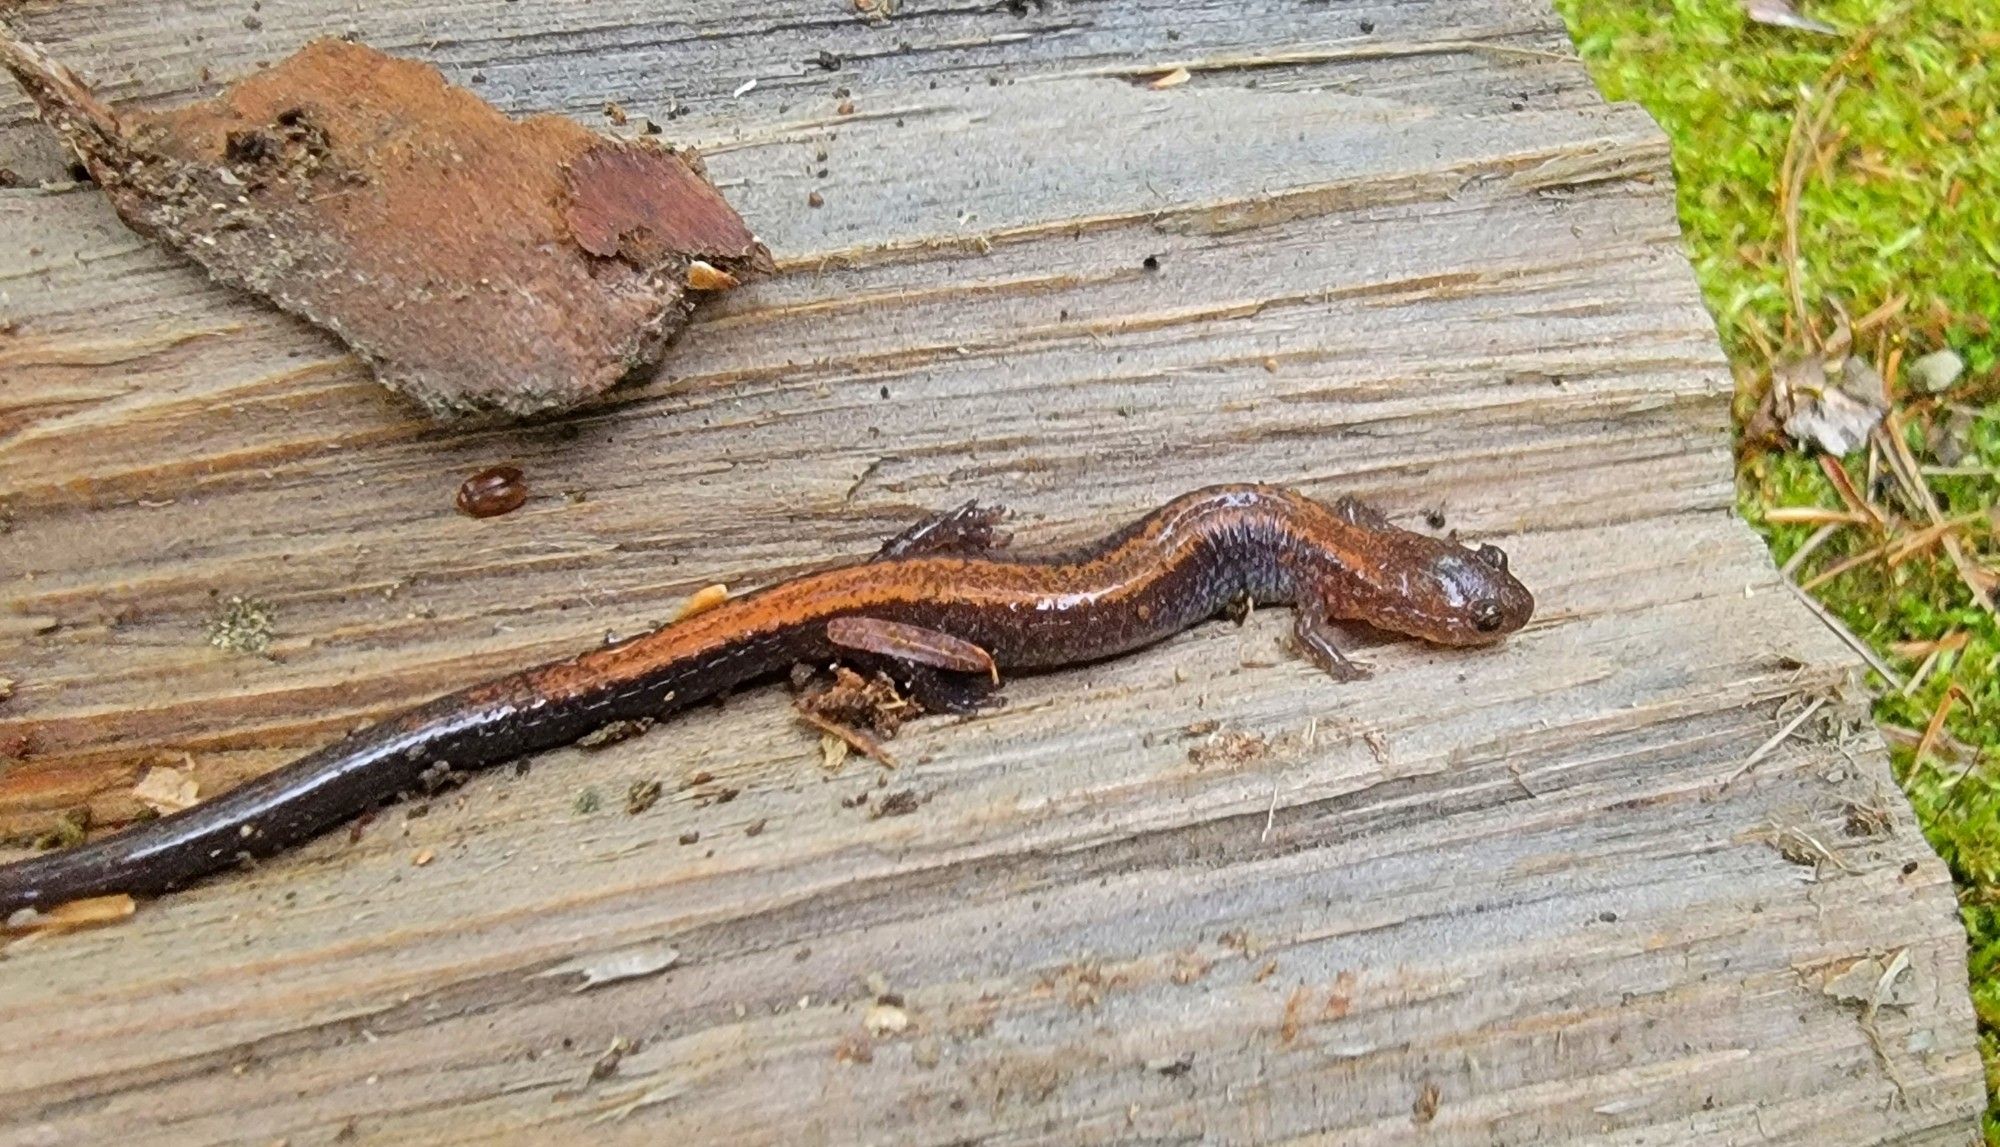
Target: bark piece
[{"x": 474, "y": 261}]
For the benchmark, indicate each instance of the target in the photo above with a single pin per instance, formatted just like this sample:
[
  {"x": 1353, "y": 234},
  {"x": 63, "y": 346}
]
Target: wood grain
[{"x": 1200, "y": 894}]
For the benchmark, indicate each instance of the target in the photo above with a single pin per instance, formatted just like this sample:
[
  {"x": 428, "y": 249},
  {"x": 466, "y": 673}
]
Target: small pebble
[{"x": 1936, "y": 371}]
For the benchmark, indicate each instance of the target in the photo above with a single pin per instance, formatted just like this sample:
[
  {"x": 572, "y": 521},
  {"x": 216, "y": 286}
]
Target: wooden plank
[{"x": 1422, "y": 264}]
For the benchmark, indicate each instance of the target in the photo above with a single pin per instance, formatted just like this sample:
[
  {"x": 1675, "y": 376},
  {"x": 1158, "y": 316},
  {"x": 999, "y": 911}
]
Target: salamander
[{"x": 943, "y": 607}]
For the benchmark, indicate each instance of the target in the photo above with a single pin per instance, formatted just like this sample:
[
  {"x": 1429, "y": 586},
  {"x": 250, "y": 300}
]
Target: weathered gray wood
[{"x": 1405, "y": 264}]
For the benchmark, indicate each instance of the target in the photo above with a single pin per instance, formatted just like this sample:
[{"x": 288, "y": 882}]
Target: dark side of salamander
[{"x": 941, "y": 607}]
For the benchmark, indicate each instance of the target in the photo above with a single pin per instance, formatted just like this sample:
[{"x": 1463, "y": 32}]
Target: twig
[
  {"x": 1951, "y": 696},
  {"x": 1844, "y": 486},
  {"x": 857, "y": 740},
  {"x": 1947, "y": 746},
  {"x": 1896, "y": 550},
  {"x": 1923, "y": 672},
  {"x": 1904, "y": 466},
  {"x": 1804, "y": 515},
  {"x": 1929, "y": 535},
  {"x": 1950, "y": 643},
  {"x": 1776, "y": 739},
  {"x": 1883, "y": 986},
  {"x": 1860, "y": 647},
  {"x": 1792, "y": 172},
  {"x": 1881, "y": 314},
  {"x": 1818, "y": 538}
]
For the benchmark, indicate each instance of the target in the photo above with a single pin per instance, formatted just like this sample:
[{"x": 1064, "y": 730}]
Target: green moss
[
  {"x": 1903, "y": 207},
  {"x": 1906, "y": 207}
]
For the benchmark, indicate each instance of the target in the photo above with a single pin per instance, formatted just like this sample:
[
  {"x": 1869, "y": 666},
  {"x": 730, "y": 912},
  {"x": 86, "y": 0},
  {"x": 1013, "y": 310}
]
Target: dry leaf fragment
[
  {"x": 1785, "y": 14},
  {"x": 166, "y": 790},
  {"x": 1874, "y": 983},
  {"x": 472, "y": 260},
  {"x": 610, "y": 967},
  {"x": 1835, "y": 415},
  {"x": 1172, "y": 79}
]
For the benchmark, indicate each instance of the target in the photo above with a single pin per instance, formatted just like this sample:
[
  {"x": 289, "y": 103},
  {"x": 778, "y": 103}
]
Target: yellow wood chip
[
  {"x": 75, "y": 914},
  {"x": 702, "y": 601},
  {"x": 708, "y": 277}
]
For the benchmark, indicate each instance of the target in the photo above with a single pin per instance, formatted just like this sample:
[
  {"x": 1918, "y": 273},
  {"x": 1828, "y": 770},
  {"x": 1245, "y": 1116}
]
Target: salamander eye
[
  {"x": 1492, "y": 556},
  {"x": 1487, "y": 615}
]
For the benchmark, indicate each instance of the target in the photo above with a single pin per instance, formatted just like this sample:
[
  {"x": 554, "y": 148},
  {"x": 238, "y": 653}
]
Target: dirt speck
[
  {"x": 642, "y": 795},
  {"x": 902, "y": 802},
  {"x": 1229, "y": 749},
  {"x": 1187, "y": 967},
  {"x": 68, "y": 830},
  {"x": 854, "y": 1048},
  {"x": 1425, "y": 1108}
]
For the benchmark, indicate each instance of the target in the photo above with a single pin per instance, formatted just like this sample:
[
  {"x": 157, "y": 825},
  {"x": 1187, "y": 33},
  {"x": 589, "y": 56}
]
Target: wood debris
[
  {"x": 612, "y": 732},
  {"x": 475, "y": 262},
  {"x": 1229, "y": 748},
  {"x": 76, "y": 914},
  {"x": 602, "y": 968},
  {"x": 886, "y": 1019},
  {"x": 861, "y": 712},
  {"x": 166, "y": 790}
]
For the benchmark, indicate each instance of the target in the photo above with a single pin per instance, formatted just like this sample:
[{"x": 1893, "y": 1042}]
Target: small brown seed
[{"x": 492, "y": 492}]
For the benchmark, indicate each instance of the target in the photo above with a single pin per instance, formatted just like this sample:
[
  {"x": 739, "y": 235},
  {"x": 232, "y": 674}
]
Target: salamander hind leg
[
  {"x": 911, "y": 643},
  {"x": 1317, "y": 639},
  {"x": 969, "y": 529},
  {"x": 942, "y": 673}
]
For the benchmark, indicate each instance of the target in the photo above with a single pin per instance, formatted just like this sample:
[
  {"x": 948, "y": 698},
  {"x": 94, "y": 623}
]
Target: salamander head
[{"x": 1434, "y": 589}]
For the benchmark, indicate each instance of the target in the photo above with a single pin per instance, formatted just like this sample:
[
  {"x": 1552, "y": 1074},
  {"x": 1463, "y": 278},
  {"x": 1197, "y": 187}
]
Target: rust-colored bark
[{"x": 474, "y": 261}]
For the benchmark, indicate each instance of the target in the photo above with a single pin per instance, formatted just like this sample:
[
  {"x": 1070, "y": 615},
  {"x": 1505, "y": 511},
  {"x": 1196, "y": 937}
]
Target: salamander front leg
[
  {"x": 969, "y": 529},
  {"x": 1316, "y": 638}
]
